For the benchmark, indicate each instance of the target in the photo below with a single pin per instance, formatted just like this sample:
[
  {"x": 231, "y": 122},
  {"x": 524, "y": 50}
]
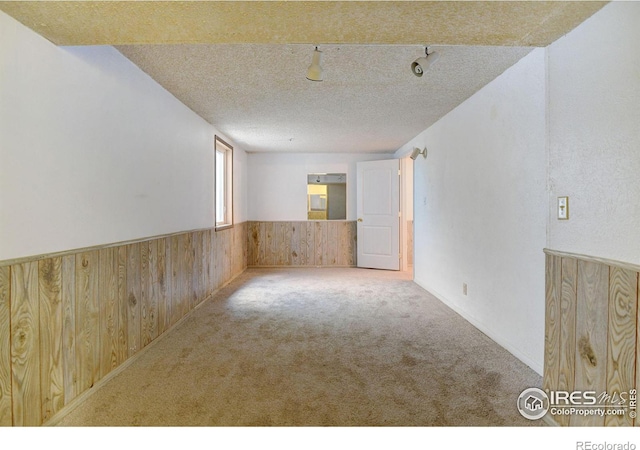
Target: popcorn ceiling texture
[
  {"x": 242, "y": 64},
  {"x": 530, "y": 23},
  {"x": 369, "y": 102}
]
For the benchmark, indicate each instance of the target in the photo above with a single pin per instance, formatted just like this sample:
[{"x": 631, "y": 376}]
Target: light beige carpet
[{"x": 316, "y": 347}]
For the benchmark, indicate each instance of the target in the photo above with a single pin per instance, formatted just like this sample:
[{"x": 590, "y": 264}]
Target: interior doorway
[
  {"x": 378, "y": 210},
  {"x": 385, "y": 214},
  {"x": 406, "y": 214}
]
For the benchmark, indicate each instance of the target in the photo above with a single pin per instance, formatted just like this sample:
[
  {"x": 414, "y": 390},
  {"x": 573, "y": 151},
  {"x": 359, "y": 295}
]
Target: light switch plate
[{"x": 563, "y": 208}]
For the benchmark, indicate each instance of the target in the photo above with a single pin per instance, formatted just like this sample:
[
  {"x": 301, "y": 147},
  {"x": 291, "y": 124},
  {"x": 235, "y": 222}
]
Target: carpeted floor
[{"x": 316, "y": 347}]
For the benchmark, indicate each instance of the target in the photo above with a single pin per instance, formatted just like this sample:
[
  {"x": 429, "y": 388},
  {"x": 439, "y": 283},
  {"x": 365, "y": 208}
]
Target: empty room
[{"x": 319, "y": 213}]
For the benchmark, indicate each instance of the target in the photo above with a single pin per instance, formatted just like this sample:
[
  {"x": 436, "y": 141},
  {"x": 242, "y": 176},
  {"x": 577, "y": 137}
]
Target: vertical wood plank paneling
[
  {"x": 25, "y": 345},
  {"x": 51, "y": 333},
  {"x": 308, "y": 243},
  {"x": 174, "y": 245},
  {"x": 320, "y": 237},
  {"x": 234, "y": 250},
  {"x": 260, "y": 249},
  {"x": 198, "y": 273},
  {"x": 621, "y": 341},
  {"x": 252, "y": 242},
  {"x": 224, "y": 250},
  {"x": 249, "y": 238},
  {"x": 69, "y": 358},
  {"x": 67, "y": 321},
  {"x": 409, "y": 242},
  {"x": 231, "y": 256},
  {"x": 346, "y": 237},
  {"x": 281, "y": 247},
  {"x": 122, "y": 256},
  {"x": 295, "y": 248},
  {"x": 146, "y": 318},
  {"x": 304, "y": 245},
  {"x": 591, "y": 333},
  {"x": 219, "y": 258},
  {"x": 109, "y": 310},
  {"x": 87, "y": 320},
  {"x": 354, "y": 243},
  {"x": 567, "y": 332},
  {"x": 169, "y": 280},
  {"x": 244, "y": 247},
  {"x": 552, "y": 322},
  {"x": 215, "y": 244},
  {"x": 240, "y": 245},
  {"x": 5, "y": 347},
  {"x": 161, "y": 290},
  {"x": 227, "y": 254},
  {"x": 285, "y": 253},
  {"x": 343, "y": 244},
  {"x": 276, "y": 241},
  {"x": 206, "y": 264},
  {"x": 215, "y": 258},
  {"x": 188, "y": 267},
  {"x": 152, "y": 297},
  {"x": 266, "y": 229},
  {"x": 183, "y": 274},
  {"x": 332, "y": 243},
  {"x": 324, "y": 248},
  {"x": 134, "y": 292},
  {"x": 270, "y": 240}
]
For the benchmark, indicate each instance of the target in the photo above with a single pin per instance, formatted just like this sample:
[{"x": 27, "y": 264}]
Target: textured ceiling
[
  {"x": 241, "y": 64},
  {"x": 90, "y": 22},
  {"x": 369, "y": 100}
]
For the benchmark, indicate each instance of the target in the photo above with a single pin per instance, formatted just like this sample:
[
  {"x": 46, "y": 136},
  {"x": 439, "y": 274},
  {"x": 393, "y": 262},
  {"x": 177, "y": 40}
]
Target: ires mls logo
[
  {"x": 534, "y": 403},
  {"x": 587, "y": 398}
]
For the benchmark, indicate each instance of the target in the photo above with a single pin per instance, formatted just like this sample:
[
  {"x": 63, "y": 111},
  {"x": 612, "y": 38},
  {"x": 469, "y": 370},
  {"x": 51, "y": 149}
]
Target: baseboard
[{"x": 501, "y": 341}]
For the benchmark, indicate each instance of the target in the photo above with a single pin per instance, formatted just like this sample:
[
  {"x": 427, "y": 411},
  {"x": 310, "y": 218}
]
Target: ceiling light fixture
[
  {"x": 314, "y": 72},
  {"x": 416, "y": 151},
  {"x": 420, "y": 65}
]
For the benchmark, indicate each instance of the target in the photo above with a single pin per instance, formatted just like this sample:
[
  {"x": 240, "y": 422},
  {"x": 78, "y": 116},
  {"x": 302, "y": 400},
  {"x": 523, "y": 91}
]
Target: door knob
[{"x": 359, "y": 220}]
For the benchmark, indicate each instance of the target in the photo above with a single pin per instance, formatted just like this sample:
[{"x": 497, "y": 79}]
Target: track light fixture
[
  {"x": 420, "y": 65},
  {"x": 416, "y": 151},
  {"x": 314, "y": 72}
]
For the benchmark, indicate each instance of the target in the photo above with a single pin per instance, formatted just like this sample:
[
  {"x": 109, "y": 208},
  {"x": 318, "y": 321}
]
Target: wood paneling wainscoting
[
  {"x": 69, "y": 319},
  {"x": 409, "y": 242},
  {"x": 311, "y": 243},
  {"x": 591, "y": 332}
]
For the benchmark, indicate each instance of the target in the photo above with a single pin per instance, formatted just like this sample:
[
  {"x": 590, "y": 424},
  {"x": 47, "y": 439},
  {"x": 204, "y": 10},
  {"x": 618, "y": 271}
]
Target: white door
[{"x": 378, "y": 206}]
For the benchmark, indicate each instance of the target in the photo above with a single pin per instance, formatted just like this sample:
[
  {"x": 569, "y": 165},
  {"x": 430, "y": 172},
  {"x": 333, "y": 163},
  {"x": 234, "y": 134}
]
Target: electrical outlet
[
  {"x": 563, "y": 208},
  {"x": 464, "y": 288}
]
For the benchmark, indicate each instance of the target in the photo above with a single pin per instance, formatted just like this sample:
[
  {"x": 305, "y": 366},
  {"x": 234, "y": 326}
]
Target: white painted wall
[
  {"x": 278, "y": 181},
  {"x": 481, "y": 207},
  {"x": 240, "y": 184},
  {"x": 594, "y": 135},
  {"x": 93, "y": 151}
]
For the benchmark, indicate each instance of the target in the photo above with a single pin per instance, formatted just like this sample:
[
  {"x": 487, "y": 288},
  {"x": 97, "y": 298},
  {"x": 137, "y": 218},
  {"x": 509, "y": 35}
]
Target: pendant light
[{"x": 314, "y": 73}]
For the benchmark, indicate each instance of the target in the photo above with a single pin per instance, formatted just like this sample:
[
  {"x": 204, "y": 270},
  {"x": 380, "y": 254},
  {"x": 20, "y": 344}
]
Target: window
[{"x": 224, "y": 184}]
